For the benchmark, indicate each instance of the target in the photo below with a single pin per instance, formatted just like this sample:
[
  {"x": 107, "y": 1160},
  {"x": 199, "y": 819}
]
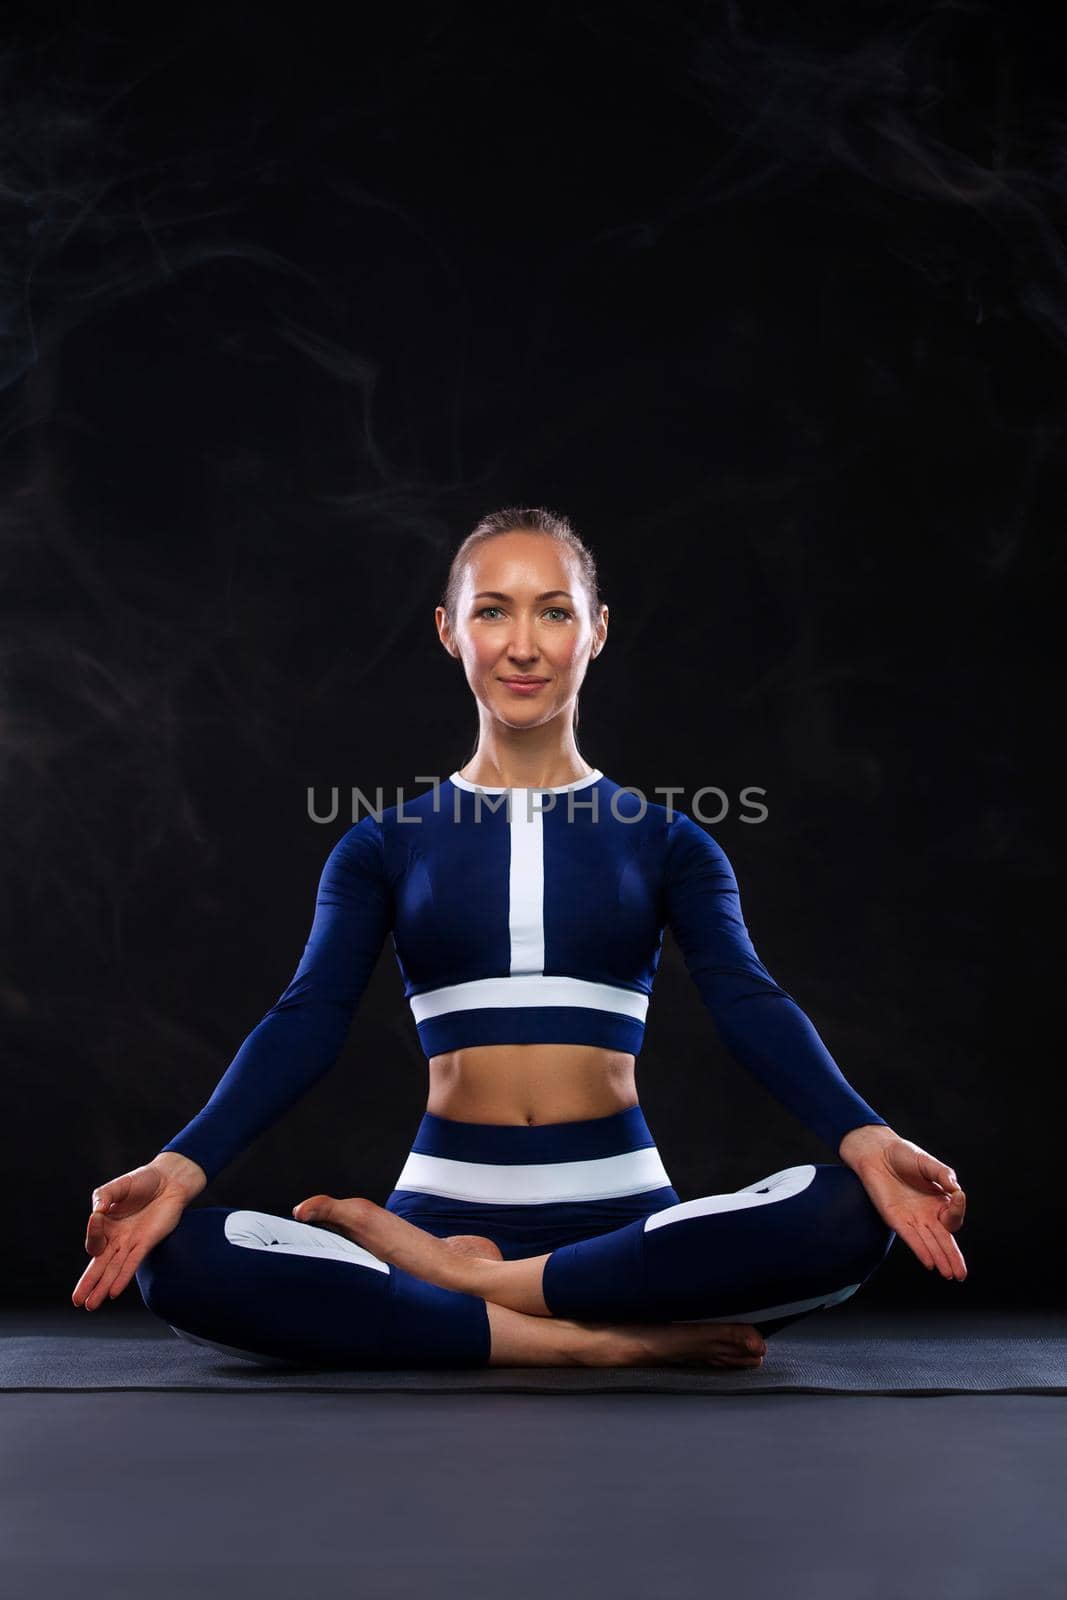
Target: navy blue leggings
[{"x": 593, "y": 1195}]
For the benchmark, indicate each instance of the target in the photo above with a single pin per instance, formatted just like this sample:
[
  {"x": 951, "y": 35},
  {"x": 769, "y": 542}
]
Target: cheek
[
  {"x": 483, "y": 654},
  {"x": 567, "y": 653}
]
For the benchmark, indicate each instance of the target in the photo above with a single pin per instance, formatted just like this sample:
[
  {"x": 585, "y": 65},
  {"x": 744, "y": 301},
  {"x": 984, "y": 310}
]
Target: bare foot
[
  {"x": 716, "y": 1344},
  {"x": 454, "y": 1263},
  {"x": 392, "y": 1238},
  {"x": 532, "y": 1341}
]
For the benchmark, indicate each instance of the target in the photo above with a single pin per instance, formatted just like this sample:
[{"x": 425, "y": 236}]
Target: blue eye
[{"x": 562, "y": 610}]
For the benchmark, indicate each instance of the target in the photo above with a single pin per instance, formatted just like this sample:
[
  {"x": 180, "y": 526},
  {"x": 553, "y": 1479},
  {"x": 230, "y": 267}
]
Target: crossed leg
[
  {"x": 268, "y": 1288},
  {"x": 798, "y": 1241},
  {"x": 537, "y": 1338},
  {"x": 476, "y": 1267}
]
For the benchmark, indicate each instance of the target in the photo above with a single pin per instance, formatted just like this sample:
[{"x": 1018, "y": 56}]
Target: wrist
[
  {"x": 860, "y": 1144},
  {"x": 182, "y": 1172}
]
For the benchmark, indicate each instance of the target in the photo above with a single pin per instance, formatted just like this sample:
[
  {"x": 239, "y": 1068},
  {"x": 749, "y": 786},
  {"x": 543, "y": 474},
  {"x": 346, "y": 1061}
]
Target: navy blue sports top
[{"x": 523, "y": 916}]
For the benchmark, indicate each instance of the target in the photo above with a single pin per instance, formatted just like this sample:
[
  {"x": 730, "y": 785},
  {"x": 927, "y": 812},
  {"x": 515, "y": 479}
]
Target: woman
[{"x": 533, "y": 1222}]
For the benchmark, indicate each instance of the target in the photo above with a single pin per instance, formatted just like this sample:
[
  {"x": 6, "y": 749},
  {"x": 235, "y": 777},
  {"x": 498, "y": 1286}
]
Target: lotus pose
[{"x": 533, "y": 1221}]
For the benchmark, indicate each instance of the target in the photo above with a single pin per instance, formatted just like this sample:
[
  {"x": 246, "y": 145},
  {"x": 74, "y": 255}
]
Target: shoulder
[
  {"x": 379, "y": 823},
  {"x": 692, "y": 851},
  {"x": 681, "y": 838},
  {"x": 357, "y": 853}
]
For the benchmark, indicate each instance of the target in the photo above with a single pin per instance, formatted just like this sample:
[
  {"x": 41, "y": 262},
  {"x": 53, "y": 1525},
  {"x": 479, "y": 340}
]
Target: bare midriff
[{"x": 525, "y": 1084}]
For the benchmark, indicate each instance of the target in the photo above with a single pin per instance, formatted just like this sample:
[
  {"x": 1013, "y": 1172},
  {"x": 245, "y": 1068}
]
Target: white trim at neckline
[{"x": 559, "y": 788}]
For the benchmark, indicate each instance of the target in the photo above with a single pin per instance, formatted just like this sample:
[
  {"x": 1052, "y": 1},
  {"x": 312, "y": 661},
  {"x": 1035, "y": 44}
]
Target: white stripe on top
[
  {"x": 526, "y": 883},
  {"x": 533, "y": 989}
]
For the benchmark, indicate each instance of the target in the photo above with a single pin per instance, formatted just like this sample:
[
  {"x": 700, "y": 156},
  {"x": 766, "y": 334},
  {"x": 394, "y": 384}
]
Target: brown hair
[{"x": 523, "y": 519}]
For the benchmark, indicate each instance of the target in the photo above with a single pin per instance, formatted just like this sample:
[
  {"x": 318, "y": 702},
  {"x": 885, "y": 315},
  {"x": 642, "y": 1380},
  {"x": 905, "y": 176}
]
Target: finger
[
  {"x": 95, "y": 1229},
  {"x": 97, "y": 1244},
  {"x": 133, "y": 1261},
  {"x": 94, "y": 1294},
  {"x": 934, "y": 1171},
  {"x": 951, "y": 1215},
  {"x": 85, "y": 1283},
  {"x": 957, "y": 1265},
  {"x": 933, "y": 1242},
  {"x": 111, "y": 1271},
  {"x": 939, "y": 1242},
  {"x": 88, "y": 1282},
  {"x": 106, "y": 1194},
  {"x": 940, "y": 1254},
  {"x": 915, "y": 1241},
  {"x": 103, "y": 1271},
  {"x": 125, "y": 1267},
  {"x": 96, "y": 1236}
]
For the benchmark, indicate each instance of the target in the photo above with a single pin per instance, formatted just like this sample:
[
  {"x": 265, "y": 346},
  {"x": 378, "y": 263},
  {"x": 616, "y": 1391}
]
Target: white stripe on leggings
[
  {"x": 762, "y": 1312},
  {"x": 535, "y": 1182}
]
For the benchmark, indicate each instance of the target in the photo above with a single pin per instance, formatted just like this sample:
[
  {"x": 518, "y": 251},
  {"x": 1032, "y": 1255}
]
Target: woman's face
[{"x": 523, "y": 611}]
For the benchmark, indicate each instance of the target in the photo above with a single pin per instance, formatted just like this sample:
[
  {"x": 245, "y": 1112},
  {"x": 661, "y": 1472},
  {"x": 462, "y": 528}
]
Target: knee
[
  {"x": 151, "y": 1280},
  {"x": 165, "y": 1272},
  {"x": 860, "y": 1229}
]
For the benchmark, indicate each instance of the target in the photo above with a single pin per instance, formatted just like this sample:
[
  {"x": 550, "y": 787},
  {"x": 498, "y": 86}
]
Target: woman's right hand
[{"x": 130, "y": 1215}]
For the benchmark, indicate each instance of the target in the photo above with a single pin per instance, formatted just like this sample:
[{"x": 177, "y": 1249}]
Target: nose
[{"x": 522, "y": 647}]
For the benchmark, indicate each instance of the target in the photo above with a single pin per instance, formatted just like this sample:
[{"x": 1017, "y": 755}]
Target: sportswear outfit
[{"x": 521, "y": 916}]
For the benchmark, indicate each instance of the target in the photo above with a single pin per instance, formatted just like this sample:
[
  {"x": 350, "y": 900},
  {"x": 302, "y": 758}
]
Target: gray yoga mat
[{"x": 838, "y": 1362}]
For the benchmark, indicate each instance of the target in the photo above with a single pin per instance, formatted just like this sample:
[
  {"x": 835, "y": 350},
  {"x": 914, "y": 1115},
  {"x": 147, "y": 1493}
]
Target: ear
[{"x": 444, "y": 633}]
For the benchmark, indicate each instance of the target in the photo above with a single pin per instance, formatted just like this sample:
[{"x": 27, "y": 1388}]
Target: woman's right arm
[
  {"x": 296, "y": 1042},
  {"x": 302, "y": 1034}
]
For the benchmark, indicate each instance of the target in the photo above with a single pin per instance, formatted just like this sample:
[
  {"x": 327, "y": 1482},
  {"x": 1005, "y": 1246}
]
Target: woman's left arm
[
  {"x": 917, "y": 1195},
  {"x": 766, "y": 1031},
  {"x": 760, "y": 1024}
]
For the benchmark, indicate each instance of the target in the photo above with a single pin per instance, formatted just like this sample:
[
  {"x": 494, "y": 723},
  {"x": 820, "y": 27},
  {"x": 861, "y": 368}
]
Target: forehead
[{"x": 513, "y": 561}]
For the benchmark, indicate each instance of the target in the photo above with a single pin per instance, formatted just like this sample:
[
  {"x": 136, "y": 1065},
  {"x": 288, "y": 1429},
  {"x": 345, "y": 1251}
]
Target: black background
[{"x": 772, "y": 305}]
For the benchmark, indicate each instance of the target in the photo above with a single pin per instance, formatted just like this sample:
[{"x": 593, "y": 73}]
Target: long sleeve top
[{"x": 523, "y": 916}]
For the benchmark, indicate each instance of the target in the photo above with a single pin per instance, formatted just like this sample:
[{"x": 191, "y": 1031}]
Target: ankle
[
  {"x": 467, "y": 1274},
  {"x": 597, "y": 1344}
]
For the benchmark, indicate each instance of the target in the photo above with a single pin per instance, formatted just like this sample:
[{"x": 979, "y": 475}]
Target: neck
[{"x": 520, "y": 763}]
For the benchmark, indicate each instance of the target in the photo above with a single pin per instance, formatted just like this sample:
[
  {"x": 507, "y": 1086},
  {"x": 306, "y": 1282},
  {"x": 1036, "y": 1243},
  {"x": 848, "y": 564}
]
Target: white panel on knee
[
  {"x": 786, "y": 1178},
  {"x": 763, "y": 1313},
  {"x": 779, "y": 1186},
  {"x": 261, "y": 1230},
  {"x": 231, "y": 1349}
]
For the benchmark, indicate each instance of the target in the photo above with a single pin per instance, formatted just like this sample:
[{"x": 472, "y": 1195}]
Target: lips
[{"x": 524, "y": 682}]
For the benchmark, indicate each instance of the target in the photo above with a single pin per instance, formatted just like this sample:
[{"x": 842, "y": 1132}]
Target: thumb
[
  {"x": 936, "y": 1173},
  {"x": 109, "y": 1198}
]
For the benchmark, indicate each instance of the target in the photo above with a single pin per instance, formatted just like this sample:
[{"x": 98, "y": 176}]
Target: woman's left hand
[{"x": 920, "y": 1199}]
